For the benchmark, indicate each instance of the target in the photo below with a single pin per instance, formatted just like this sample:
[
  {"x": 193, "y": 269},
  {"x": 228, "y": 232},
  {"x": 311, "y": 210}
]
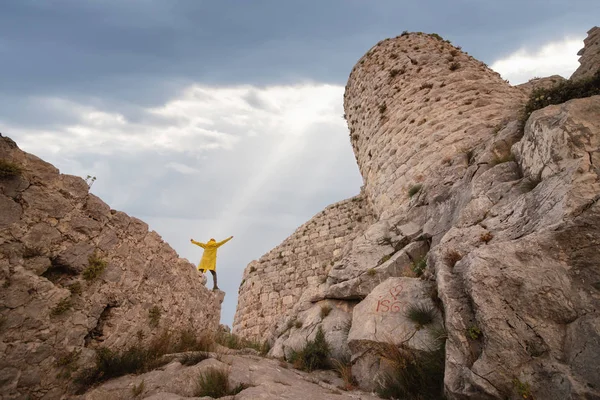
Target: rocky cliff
[
  {"x": 77, "y": 276},
  {"x": 481, "y": 240}
]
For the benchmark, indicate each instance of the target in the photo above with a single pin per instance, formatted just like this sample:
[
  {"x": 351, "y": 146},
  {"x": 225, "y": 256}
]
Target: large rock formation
[
  {"x": 77, "y": 275},
  {"x": 493, "y": 224}
]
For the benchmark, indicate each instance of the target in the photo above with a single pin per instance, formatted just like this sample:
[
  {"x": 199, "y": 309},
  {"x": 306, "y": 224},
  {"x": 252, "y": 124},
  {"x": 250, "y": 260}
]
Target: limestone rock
[
  {"x": 543, "y": 83},
  {"x": 52, "y": 305},
  {"x": 266, "y": 379},
  {"x": 590, "y": 55},
  {"x": 502, "y": 219},
  {"x": 381, "y": 318},
  {"x": 334, "y": 317}
]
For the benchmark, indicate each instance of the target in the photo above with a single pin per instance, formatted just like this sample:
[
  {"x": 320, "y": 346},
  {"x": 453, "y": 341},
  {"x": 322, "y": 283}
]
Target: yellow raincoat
[{"x": 209, "y": 257}]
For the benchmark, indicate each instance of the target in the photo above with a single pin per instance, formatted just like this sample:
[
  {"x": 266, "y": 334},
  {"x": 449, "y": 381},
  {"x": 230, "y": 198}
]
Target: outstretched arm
[
  {"x": 221, "y": 243},
  {"x": 203, "y": 245}
]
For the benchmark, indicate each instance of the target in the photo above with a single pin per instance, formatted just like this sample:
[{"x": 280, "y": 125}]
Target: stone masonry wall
[
  {"x": 49, "y": 227},
  {"x": 416, "y": 105},
  {"x": 590, "y": 55},
  {"x": 272, "y": 285}
]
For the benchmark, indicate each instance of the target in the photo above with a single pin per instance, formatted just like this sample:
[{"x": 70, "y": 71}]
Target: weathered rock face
[
  {"x": 382, "y": 318},
  {"x": 51, "y": 230},
  {"x": 590, "y": 55},
  {"x": 500, "y": 222},
  {"x": 530, "y": 290}
]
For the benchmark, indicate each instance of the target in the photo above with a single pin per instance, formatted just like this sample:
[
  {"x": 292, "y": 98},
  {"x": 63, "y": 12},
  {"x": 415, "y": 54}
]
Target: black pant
[{"x": 214, "y": 274}]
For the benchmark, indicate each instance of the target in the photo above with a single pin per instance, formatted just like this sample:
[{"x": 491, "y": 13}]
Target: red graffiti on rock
[{"x": 389, "y": 302}]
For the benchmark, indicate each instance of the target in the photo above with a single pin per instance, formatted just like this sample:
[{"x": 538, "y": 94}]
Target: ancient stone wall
[
  {"x": 272, "y": 285},
  {"x": 590, "y": 55},
  {"x": 416, "y": 106},
  {"x": 53, "y": 233}
]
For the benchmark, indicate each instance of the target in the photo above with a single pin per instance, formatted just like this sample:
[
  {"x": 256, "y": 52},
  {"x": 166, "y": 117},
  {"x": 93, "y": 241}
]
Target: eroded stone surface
[
  {"x": 268, "y": 380},
  {"x": 49, "y": 227}
]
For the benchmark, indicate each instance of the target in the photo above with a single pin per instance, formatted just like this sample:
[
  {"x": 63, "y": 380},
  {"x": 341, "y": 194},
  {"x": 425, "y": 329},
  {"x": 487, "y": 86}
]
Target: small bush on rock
[
  {"x": 421, "y": 314},
  {"x": 136, "y": 359},
  {"x": 522, "y": 389},
  {"x": 415, "y": 375},
  {"x": 418, "y": 266},
  {"x": 474, "y": 332},
  {"x": 414, "y": 190},
  {"x": 344, "y": 369},
  {"x": 62, "y": 307},
  {"x": 454, "y": 66},
  {"x": 233, "y": 341},
  {"x": 95, "y": 267},
  {"x": 215, "y": 383},
  {"x": 562, "y": 92},
  {"x": 9, "y": 170},
  {"x": 314, "y": 355},
  {"x": 325, "y": 310}
]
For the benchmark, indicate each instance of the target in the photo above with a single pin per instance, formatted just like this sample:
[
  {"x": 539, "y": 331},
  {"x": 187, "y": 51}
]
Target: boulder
[{"x": 382, "y": 318}]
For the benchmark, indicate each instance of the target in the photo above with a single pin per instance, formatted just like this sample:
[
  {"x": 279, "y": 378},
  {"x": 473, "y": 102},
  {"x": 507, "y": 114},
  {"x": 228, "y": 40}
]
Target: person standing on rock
[{"x": 209, "y": 257}]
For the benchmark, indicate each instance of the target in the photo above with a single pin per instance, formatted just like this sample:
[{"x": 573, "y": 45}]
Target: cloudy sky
[{"x": 217, "y": 118}]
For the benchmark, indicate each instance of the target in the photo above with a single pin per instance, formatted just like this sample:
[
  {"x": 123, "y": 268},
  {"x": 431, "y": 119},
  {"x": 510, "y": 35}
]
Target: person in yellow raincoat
[{"x": 209, "y": 257}]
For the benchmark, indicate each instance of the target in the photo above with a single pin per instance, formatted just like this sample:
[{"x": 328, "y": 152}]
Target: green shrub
[
  {"x": 474, "y": 332},
  {"x": 382, "y": 108},
  {"x": 522, "y": 388},
  {"x": 154, "y": 316},
  {"x": 75, "y": 288},
  {"x": 418, "y": 266},
  {"x": 421, "y": 314},
  {"x": 214, "y": 382},
  {"x": 298, "y": 324},
  {"x": 384, "y": 259},
  {"x": 414, "y": 190},
  {"x": 560, "y": 93},
  {"x": 454, "y": 66},
  {"x": 371, "y": 272},
  {"x": 9, "y": 170},
  {"x": 314, "y": 355},
  {"x": 233, "y": 341},
  {"x": 344, "y": 369},
  {"x": 426, "y": 85},
  {"x": 95, "y": 267},
  {"x": 415, "y": 375},
  {"x": 62, "y": 307},
  {"x": 436, "y": 36},
  {"x": 189, "y": 340},
  {"x": 136, "y": 359}
]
